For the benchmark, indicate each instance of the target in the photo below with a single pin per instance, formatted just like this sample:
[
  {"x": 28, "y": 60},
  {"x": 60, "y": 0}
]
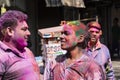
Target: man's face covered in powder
[
  {"x": 70, "y": 35},
  {"x": 21, "y": 34}
]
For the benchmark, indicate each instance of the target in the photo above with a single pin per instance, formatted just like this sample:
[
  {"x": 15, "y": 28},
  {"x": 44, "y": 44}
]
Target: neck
[
  {"x": 12, "y": 46},
  {"x": 75, "y": 54},
  {"x": 92, "y": 44}
]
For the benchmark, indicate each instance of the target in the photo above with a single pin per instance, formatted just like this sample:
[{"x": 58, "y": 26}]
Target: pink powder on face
[
  {"x": 67, "y": 28},
  {"x": 94, "y": 29},
  {"x": 21, "y": 43}
]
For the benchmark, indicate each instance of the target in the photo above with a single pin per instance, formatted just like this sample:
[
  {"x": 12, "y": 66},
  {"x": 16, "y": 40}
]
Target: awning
[
  {"x": 6, "y": 2},
  {"x": 50, "y": 32},
  {"x": 69, "y": 3}
]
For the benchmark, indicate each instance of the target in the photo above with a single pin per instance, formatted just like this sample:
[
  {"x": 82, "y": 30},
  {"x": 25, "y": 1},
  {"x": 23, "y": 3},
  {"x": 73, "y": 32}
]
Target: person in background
[
  {"x": 17, "y": 62},
  {"x": 98, "y": 51},
  {"x": 75, "y": 64},
  {"x": 115, "y": 36}
]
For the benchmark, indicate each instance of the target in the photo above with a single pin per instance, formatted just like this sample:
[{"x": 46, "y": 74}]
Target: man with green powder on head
[{"x": 75, "y": 64}]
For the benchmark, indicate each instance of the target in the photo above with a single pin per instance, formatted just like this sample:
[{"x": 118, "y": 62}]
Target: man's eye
[
  {"x": 24, "y": 29},
  {"x": 97, "y": 31},
  {"x": 66, "y": 33},
  {"x": 91, "y": 31},
  {"x": 94, "y": 31}
]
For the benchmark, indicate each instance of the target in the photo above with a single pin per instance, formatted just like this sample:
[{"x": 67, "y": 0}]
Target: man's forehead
[
  {"x": 66, "y": 27},
  {"x": 23, "y": 23},
  {"x": 93, "y": 29}
]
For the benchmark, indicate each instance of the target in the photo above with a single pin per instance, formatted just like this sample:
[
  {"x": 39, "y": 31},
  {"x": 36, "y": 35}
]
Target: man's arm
[{"x": 109, "y": 70}]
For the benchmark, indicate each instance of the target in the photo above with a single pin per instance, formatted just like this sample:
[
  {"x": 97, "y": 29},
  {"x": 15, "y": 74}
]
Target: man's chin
[
  {"x": 63, "y": 48},
  {"x": 93, "y": 40},
  {"x": 24, "y": 45}
]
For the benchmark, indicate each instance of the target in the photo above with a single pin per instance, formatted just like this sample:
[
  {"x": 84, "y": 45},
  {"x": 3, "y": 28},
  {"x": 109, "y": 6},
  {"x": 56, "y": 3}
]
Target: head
[
  {"x": 74, "y": 34},
  {"x": 94, "y": 28},
  {"x": 115, "y": 21},
  {"x": 14, "y": 28}
]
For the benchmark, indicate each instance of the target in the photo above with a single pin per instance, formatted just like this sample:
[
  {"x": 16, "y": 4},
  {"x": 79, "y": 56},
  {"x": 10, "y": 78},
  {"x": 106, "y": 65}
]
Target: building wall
[
  {"x": 41, "y": 16},
  {"x": 115, "y": 12},
  {"x": 31, "y": 9}
]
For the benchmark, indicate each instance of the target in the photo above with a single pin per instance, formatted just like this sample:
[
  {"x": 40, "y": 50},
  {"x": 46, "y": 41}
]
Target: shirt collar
[
  {"x": 14, "y": 50},
  {"x": 3, "y": 46},
  {"x": 97, "y": 46}
]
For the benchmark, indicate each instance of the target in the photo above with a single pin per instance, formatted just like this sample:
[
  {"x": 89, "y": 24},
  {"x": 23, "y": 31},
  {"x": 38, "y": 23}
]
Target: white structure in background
[
  {"x": 50, "y": 41},
  {"x": 6, "y": 2},
  {"x": 73, "y": 3}
]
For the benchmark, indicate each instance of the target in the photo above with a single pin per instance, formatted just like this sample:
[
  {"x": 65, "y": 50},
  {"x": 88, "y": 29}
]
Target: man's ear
[
  {"x": 9, "y": 31},
  {"x": 100, "y": 32},
  {"x": 81, "y": 38}
]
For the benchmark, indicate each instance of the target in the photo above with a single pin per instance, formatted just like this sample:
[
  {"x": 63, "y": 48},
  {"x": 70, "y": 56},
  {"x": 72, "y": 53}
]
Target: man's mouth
[{"x": 93, "y": 38}]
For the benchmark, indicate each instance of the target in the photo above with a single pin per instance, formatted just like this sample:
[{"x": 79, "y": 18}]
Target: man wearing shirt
[
  {"x": 98, "y": 51},
  {"x": 16, "y": 60},
  {"x": 75, "y": 64}
]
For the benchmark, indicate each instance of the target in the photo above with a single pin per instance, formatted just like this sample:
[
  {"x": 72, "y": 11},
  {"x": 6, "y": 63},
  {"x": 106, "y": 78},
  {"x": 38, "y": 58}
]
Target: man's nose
[
  {"x": 28, "y": 32},
  {"x": 94, "y": 33},
  {"x": 62, "y": 36}
]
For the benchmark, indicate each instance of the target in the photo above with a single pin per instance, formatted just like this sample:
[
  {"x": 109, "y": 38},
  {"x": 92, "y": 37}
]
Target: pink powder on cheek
[
  {"x": 67, "y": 28},
  {"x": 21, "y": 42},
  {"x": 71, "y": 44},
  {"x": 72, "y": 41}
]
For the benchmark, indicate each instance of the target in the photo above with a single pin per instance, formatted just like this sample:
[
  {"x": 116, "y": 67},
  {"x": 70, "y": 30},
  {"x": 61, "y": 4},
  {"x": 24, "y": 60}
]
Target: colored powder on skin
[
  {"x": 74, "y": 43},
  {"x": 79, "y": 32},
  {"x": 67, "y": 28},
  {"x": 77, "y": 23}
]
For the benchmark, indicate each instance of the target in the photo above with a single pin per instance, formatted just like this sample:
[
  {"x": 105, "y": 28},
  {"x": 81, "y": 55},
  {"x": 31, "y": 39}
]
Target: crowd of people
[{"x": 86, "y": 58}]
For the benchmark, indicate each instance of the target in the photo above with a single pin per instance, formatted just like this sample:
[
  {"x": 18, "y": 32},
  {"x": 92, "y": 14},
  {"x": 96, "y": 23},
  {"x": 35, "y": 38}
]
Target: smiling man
[
  {"x": 75, "y": 64},
  {"x": 16, "y": 60}
]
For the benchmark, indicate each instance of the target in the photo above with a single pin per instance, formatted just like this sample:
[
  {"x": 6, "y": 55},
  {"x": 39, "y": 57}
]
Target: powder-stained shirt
[
  {"x": 17, "y": 66},
  {"x": 82, "y": 69},
  {"x": 102, "y": 56}
]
